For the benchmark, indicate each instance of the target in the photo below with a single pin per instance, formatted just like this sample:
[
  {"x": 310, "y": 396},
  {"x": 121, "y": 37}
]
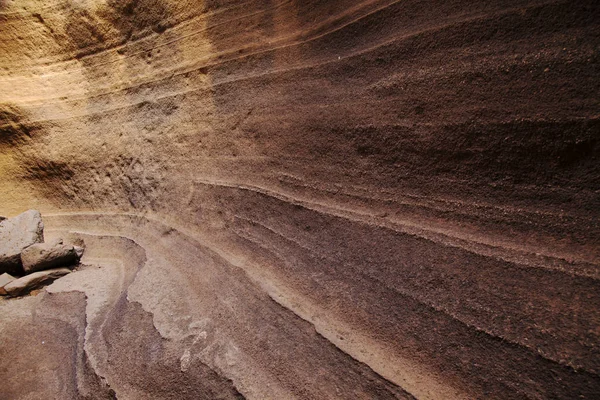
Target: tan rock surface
[
  {"x": 345, "y": 199},
  {"x": 34, "y": 280},
  {"x": 16, "y": 234},
  {"x": 42, "y": 256}
]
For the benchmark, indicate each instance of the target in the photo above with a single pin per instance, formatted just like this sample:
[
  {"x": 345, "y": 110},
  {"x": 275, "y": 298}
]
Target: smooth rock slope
[{"x": 344, "y": 199}]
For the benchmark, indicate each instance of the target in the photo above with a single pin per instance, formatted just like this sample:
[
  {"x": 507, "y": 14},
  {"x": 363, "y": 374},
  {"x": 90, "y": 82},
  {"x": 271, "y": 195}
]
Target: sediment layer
[{"x": 341, "y": 199}]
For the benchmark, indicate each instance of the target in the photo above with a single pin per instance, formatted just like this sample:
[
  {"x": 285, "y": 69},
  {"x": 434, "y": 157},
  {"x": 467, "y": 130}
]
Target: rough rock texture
[
  {"x": 309, "y": 199},
  {"x": 16, "y": 234},
  {"x": 5, "y": 279},
  {"x": 32, "y": 281},
  {"x": 42, "y": 256},
  {"x": 79, "y": 251}
]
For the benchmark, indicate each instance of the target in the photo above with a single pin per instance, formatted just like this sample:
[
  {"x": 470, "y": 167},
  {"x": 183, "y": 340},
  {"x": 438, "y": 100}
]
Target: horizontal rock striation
[{"x": 308, "y": 199}]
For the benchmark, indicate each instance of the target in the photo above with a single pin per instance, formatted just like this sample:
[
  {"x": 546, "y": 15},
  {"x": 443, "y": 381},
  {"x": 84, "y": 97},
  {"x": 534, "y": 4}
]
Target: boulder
[
  {"x": 29, "y": 282},
  {"x": 16, "y": 234},
  {"x": 43, "y": 256},
  {"x": 5, "y": 279}
]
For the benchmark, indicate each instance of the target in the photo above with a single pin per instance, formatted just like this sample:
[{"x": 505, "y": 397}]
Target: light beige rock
[
  {"x": 16, "y": 234},
  {"x": 43, "y": 256},
  {"x": 5, "y": 279},
  {"x": 79, "y": 251},
  {"x": 29, "y": 282}
]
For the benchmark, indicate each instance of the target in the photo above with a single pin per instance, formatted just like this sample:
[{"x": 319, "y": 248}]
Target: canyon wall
[{"x": 288, "y": 199}]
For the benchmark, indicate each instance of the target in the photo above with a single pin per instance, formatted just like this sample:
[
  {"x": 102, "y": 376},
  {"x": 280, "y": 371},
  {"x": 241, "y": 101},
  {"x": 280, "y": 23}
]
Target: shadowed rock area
[{"x": 336, "y": 199}]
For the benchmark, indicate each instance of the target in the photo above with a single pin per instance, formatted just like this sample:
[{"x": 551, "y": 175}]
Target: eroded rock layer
[{"x": 306, "y": 199}]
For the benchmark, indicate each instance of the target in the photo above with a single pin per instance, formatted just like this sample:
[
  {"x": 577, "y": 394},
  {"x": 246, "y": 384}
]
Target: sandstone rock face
[
  {"x": 16, "y": 234},
  {"x": 42, "y": 256},
  {"x": 308, "y": 199},
  {"x": 32, "y": 281}
]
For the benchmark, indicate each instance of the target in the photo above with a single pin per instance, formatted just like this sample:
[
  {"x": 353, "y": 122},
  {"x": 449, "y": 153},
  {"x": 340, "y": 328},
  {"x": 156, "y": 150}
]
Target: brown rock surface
[
  {"x": 42, "y": 256},
  {"x": 308, "y": 199},
  {"x": 5, "y": 279},
  {"x": 34, "y": 280}
]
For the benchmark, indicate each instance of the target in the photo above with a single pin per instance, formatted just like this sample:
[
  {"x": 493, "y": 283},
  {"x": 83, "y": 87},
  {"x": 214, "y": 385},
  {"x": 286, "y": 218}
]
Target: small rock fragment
[
  {"x": 5, "y": 279},
  {"x": 43, "y": 256},
  {"x": 29, "y": 282},
  {"x": 16, "y": 234},
  {"x": 79, "y": 251}
]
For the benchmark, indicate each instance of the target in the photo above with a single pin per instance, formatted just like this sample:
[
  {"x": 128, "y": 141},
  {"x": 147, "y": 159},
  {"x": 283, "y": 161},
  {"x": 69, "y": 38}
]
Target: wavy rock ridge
[{"x": 306, "y": 199}]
